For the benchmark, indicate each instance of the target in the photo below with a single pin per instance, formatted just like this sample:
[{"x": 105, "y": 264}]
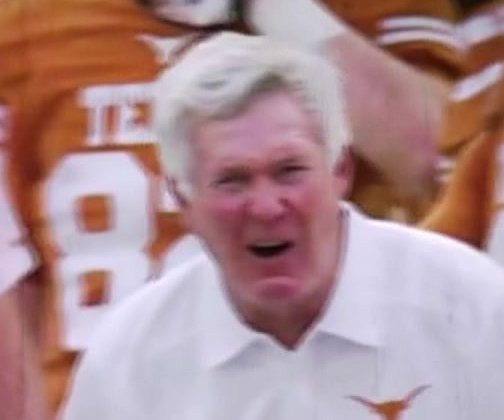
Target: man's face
[{"x": 265, "y": 200}]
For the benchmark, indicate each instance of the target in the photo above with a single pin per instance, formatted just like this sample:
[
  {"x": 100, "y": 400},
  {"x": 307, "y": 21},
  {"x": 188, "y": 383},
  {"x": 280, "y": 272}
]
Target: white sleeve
[
  {"x": 16, "y": 258},
  {"x": 87, "y": 397},
  {"x": 303, "y": 24},
  {"x": 197, "y": 13}
]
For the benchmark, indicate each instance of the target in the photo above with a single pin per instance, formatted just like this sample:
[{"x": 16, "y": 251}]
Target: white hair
[{"x": 218, "y": 76}]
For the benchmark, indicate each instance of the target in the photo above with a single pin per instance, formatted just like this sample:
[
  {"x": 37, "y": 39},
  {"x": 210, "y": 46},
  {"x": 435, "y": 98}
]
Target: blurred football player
[
  {"x": 471, "y": 209},
  {"x": 76, "y": 77}
]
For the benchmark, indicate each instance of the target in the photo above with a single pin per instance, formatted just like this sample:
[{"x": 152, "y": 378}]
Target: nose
[{"x": 265, "y": 202}]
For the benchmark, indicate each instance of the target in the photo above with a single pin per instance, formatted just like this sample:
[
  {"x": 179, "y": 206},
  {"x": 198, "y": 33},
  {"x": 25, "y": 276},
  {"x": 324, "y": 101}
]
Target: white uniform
[{"x": 414, "y": 331}]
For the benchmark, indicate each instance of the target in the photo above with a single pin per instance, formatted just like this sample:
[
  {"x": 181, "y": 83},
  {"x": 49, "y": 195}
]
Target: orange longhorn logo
[{"x": 391, "y": 410}]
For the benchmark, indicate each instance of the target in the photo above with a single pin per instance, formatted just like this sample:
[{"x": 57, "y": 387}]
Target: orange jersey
[
  {"x": 466, "y": 210},
  {"x": 472, "y": 207},
  {"x": 475, "y": 101},
  {"x": 421, "y": 33},
  {"x": 83, "y": 168}
]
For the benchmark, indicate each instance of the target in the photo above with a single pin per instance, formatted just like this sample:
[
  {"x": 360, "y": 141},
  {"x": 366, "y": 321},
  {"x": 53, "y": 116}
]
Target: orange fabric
[
  {"x": 377, "y": 19},
  {"x": 471, "y": 207},
  {"x": 377, "y": 198},
  {"x": 468, "y": 113},
  {"x": 463, "y": 211}
]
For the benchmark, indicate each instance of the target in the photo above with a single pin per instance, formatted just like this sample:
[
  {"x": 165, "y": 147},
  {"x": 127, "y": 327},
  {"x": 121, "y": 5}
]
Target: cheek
[
  {"x": 309, "y": 199},
  {"x": 223, "y": 215},
  {"x": 317, "y": 209},
  {"x": 220, "y": 224}
]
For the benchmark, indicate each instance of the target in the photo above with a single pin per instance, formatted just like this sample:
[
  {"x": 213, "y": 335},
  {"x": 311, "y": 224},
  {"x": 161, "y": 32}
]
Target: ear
[
  {"x": 181, "y": 200},
  {"x": 343, "y": 172}
]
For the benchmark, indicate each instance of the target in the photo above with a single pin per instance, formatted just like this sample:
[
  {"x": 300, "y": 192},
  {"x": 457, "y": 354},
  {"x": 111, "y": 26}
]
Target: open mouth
[{"x": 270, "y": 250}]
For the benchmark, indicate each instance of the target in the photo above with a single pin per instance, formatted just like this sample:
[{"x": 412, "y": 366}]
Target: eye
[
  {"x": 291, "y": 172},
  {"x": 231, "y": 182}
]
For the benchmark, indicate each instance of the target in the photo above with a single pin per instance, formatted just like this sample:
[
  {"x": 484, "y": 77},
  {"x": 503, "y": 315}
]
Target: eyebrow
[{"x": 296, "y": 158}]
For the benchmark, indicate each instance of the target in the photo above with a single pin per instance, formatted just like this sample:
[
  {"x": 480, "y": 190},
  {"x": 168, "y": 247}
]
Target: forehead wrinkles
[
  {"x": 277, "y": 117},
  {"x": 247, "y": 148}
]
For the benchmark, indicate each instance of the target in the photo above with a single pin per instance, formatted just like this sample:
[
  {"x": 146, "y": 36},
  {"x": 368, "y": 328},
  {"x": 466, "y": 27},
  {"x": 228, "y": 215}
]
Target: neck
[{"x": 288, "y": 323}]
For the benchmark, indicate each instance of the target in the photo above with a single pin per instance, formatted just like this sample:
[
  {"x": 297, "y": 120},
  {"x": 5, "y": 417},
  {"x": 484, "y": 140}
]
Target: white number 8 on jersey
[{"x": 117, "y": 251}]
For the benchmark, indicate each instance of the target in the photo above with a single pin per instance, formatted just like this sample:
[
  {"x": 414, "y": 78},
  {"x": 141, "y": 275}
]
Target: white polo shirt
[{"x": 413, "y": 331}]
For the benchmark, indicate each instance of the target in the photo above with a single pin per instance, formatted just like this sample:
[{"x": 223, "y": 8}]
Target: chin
[{"x": 278, "y": 288}]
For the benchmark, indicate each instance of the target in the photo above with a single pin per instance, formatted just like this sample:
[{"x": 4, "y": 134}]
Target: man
[{"x": 306, "y": 309}]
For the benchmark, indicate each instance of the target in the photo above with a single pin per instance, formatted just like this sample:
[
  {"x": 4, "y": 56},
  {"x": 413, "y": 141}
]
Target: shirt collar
[
  {"x": 352, "y": 312},
  {"x": 222, "y": 332}
]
